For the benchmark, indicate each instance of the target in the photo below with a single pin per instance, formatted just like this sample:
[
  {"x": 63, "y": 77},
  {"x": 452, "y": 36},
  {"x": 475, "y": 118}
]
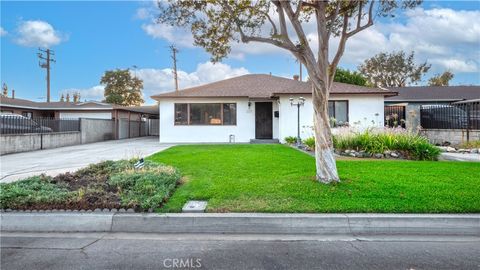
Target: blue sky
[{"x": 91, "y": 37}]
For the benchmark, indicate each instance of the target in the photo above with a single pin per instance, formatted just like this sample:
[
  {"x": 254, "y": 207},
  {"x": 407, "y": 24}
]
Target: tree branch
[
  {"x": 369, "y": 23},
  {"x": 283, "y": 23},
  {"x": 359, "y": 19},
  {"x": 340, "y": 50},
  {"x": 274, "y": 26},
  {"x": 335, "y": 14}
]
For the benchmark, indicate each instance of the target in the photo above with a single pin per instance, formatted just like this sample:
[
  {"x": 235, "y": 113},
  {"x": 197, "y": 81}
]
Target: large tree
[
  {"x": 215, "y": 24},
  {"x": 350, "y": 77},
  {"x": 396, "y": 69},
  {"x": 122, "y": 88},
  {"x": 441, "y": 79}
]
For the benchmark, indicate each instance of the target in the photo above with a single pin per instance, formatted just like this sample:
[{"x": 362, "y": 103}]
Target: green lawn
[{"x": 277, "y": 178}]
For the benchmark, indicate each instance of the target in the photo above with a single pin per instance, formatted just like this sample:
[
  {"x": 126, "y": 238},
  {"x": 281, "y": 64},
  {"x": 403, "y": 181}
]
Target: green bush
[
  {"x": 373, "y": 141},
  {"x": 31, "y": 191},
  {"x": 108, "y": 184},
  {"x": 291, "y": 140},
  {"x": 309, "y": 142},
  {"x": 146, "y": 188}
]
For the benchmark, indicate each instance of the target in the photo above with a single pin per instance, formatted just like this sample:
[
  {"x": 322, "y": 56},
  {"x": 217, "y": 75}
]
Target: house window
[
  {"x": 205, "y": 113},
  {"x": 338, "y": 112},
  {"x": 181, "y": 114},
  {"x": 229, "y": 114}
]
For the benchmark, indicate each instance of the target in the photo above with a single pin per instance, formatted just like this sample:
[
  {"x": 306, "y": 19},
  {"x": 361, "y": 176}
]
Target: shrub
[
  {"x": 379, "y": 140},
  {"x": 108, "y": 184},
  {"x": 291, "y": 140},
  {"x": 31, "y": 191},
  {"x": 146, "y": 188},
  {"x": 310, "y": 142},
  {"x": 471, "y": 144}
]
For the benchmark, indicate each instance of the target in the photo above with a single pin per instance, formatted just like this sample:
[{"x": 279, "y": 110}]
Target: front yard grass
[{"x": 277, "y": 178}]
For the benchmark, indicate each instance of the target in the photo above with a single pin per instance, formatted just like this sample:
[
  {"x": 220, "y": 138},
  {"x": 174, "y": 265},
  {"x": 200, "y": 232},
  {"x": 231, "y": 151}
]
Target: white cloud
[
  {"x": 92, "y": 93},
  {"x": 172, "y": 34},
  {"x": 38, "y": 34},
  {"x": 447, "y": 38},
  {"x": 458, "y": 65},
  {"x": 2, "y": 32},
  {"x": 156, "y": 81},
  {"x": 143, "y": 13}
]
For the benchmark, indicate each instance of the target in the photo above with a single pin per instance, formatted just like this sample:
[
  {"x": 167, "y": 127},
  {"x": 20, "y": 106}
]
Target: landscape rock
[
  {"x": 394, "y": 155},
  {"x": 378, "y": 155},
  {"x": 451, "y": 149}
]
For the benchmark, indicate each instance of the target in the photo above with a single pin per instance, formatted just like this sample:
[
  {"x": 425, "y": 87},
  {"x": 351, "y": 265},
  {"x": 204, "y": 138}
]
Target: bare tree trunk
[{"x": 324, "y": 158}]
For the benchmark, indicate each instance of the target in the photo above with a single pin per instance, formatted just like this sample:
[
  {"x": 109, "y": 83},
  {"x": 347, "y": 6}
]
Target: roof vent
[{"x": 296, "y": 77}]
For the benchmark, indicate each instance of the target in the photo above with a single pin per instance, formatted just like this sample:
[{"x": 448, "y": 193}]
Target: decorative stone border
[{"x": 449, "y": 149}]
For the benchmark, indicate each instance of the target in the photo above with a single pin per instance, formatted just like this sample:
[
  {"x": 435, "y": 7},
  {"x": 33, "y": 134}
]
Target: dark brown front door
[{"x": 263, "y": 120}]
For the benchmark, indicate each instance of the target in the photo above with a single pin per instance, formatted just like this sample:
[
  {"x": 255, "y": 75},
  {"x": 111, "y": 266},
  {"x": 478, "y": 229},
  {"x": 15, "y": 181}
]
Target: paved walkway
[{"x": 59, "y": 160}]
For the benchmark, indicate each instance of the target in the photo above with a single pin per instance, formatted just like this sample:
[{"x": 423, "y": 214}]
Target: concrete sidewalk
[{"x": 59, "y": 160}]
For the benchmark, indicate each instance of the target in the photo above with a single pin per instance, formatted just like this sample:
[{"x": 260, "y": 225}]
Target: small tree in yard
[
  {"x": 441, "y": 79},
  {"x": 121, "y": 88},
  {"x": 215, "y": 24},
  {"x": 393, "y": 69}
]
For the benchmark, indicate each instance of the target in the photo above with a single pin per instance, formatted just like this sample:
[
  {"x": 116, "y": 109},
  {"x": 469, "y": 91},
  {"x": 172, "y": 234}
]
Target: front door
[{"x": 263, "y": 120}]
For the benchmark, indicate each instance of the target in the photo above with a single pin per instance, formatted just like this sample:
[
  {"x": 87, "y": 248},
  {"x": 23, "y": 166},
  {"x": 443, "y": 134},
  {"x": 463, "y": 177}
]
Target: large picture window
[
  {"x": 338, "y": 111},
  {"x": 205, "y": 113}
]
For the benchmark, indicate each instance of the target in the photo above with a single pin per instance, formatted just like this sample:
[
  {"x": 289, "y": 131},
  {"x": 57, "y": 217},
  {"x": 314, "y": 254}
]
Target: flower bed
[
  {"x": 109, "y": 184},
  {"x": 380, "y": 143}
]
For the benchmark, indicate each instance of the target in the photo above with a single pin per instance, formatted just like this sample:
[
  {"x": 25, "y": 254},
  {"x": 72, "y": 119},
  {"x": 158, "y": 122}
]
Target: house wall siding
[
  {"x": 243, "y": 131},
  {"x": 363, "y": 111}
]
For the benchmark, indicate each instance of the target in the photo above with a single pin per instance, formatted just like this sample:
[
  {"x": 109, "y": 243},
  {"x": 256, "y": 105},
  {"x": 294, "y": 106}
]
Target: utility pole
[
  {"x": 300, "y": 63},
  {"x": 174, "y": 51},
  {"x": 300, "y": 70},
  {"x": 47, "y": 56}
]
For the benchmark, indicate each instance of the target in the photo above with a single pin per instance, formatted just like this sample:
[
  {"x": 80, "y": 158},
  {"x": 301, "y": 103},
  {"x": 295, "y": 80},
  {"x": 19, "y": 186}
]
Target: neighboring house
[
  {"x": 257, "y": 106},
  {"x": 75, "y": 110},
  {"x": 412, "y": 98}
]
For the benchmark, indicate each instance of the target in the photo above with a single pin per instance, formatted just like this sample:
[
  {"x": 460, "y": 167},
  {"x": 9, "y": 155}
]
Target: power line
[
  {"x": 47, "y": 56},
  {"x": 174, "y": 52}
]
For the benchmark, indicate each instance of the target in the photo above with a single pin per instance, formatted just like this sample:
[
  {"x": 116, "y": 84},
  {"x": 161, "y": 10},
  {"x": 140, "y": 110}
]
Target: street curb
[{"x": 245, "y": 223}]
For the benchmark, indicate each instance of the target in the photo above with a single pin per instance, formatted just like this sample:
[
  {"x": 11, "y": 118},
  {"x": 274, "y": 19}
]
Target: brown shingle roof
[
  {"x": 58, "y": 105},
  {"x": 264, "y": 86},
  {"x": 435, "y": 93},
  {"x": 24, "y": 103}
]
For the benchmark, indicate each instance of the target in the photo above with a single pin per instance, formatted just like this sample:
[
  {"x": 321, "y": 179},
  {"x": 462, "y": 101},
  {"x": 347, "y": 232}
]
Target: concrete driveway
[{"x": 59, "y": 160}]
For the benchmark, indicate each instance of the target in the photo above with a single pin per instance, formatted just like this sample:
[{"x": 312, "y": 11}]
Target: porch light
[{"x": 300, "y": 102}]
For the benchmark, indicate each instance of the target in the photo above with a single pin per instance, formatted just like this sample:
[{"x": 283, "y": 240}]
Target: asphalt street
[{"x": 154, "y": 251}]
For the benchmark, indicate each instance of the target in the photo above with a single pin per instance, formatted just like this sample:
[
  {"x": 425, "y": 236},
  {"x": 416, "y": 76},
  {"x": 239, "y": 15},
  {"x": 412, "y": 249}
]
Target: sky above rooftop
[{"x": 90, "y": 37}]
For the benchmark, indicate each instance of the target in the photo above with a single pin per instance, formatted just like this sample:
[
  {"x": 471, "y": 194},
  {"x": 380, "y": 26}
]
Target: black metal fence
[
  {"x": 15, "y": 124},
  {"x": 394, "y": 116},
  {"x": 453, "y": 116}
]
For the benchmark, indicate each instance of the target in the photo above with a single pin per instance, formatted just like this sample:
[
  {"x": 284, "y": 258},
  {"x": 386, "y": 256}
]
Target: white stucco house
[{"x": 258, "y": 106}]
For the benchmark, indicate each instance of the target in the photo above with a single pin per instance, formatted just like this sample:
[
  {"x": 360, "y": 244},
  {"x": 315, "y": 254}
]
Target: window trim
[
  {"x": 348, "y": 108},
  {"x": 210, "y": 125}
]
